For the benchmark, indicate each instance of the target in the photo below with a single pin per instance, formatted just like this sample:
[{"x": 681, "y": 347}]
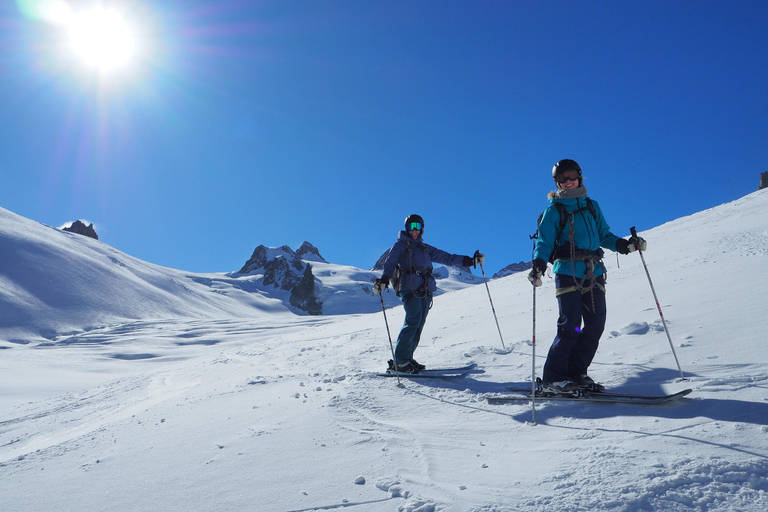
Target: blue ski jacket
[
  {"x": 591, "y": 232},
  {"x": 415, "y": 260}
]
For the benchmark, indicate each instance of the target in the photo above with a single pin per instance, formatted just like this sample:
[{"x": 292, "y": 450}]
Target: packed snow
[{"x": 128, "y": 386}]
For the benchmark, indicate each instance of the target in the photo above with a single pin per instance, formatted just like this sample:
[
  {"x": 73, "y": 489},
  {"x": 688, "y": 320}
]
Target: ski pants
[
  {"x": 575, "y": 345},
  {"x": 416, "y": 310}
]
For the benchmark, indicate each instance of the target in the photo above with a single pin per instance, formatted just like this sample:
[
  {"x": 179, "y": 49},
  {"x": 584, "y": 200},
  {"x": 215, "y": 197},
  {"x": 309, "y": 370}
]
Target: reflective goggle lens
[
  {"x": 414, "y": 225},
  {"x": 567, "y": 176}
]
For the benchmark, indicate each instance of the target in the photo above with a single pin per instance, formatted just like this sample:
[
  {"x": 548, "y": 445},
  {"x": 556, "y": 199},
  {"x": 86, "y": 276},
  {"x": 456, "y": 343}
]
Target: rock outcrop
[
  {"x": 286, "y": 270},
  {"x": 303, "y": 294},
  {"x": 80, "y": 228}
]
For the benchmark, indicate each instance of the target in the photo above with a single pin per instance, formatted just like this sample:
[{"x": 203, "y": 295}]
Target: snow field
[{"x": 276, "y": 412}]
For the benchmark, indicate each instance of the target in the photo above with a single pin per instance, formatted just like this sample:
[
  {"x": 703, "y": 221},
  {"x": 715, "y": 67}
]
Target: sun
[{"x": 101, "y": 38}]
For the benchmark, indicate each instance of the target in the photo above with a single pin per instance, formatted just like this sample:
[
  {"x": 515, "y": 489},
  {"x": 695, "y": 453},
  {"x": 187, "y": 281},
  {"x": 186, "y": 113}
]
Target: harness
[{"x": 569, "y": 252}]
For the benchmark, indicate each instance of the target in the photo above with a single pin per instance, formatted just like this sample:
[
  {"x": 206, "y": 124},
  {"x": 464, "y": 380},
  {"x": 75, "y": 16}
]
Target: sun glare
[{"x": 101, "y": 38}]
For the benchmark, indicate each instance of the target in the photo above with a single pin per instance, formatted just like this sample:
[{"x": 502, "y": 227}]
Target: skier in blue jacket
[
  {"x": 573, "y": 239},
  {"x": 416, "y": 285}
]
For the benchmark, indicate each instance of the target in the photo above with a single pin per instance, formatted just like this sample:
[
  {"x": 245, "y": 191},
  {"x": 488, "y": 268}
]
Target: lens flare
[{"x": 52, "y": 11}]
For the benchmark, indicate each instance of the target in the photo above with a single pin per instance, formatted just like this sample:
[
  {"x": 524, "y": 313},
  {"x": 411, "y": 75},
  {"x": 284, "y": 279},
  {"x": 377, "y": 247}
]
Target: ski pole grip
[{"x": 633, "y": 231}]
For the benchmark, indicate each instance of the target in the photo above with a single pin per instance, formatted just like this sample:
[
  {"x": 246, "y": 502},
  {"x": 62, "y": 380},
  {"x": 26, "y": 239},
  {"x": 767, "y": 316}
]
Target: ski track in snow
[{"x": 405, "y": 449}]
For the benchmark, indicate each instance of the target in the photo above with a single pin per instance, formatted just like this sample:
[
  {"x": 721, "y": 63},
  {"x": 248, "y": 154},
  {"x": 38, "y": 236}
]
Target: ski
[
  {"x": 613, "y": 394},
  {"x": 425, "y": 375},
  {"x": 432, "y": 373},
  {"x": 603, "y": 397},
  {"x": 457, "y": 369}
]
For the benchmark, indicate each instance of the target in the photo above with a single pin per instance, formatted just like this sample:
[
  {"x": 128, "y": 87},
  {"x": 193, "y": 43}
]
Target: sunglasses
[
  {"x": 414, "y": 225},
  {"x": 563, "y": 178}
]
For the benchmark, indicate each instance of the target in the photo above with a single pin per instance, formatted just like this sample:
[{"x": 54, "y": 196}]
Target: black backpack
[
  {"x": 564, "y": 214},
  {"x": 396, "y": 279}
]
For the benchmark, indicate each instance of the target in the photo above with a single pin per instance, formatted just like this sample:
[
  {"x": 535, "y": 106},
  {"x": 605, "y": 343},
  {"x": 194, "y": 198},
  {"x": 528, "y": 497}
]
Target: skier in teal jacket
[{"x": 572, "y": 234}]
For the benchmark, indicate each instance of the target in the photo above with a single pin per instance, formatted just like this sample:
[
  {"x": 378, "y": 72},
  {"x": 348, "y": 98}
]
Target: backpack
[
  {"x": 395, "y": 280},
  {"x": 564, "y": 214},
  {"x": 397, "y": 274}
]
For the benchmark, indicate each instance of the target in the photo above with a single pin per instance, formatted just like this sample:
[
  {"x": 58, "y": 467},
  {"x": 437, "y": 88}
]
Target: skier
[
  {"x": 572, "y": 238},
  {"x": 413, "y": 258}
]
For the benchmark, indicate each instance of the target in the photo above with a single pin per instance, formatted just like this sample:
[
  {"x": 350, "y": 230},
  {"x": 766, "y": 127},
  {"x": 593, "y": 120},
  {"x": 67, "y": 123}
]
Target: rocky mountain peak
[
  {"x": 80, "y": 228},
  {"x": 286, "y": 269},
  {"x": 307, "y": 251}
]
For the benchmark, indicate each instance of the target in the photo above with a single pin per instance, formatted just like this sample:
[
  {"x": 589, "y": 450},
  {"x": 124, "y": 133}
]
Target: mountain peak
[
  {"x": 309, "y": 252},
  {"x": 80, "y": 228}
]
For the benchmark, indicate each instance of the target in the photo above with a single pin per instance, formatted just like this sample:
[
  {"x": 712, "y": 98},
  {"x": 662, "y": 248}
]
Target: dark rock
[
  {"x": 278, "y": 274},
  {"x": 309, "y": 249},
  {"x": 284, "y": 269},
  {"x": 258, "y": 260},
  {"x": 80, "y": 228},
  {"x": 303, "y": 294},
  {"x": 763, "y": 181}
]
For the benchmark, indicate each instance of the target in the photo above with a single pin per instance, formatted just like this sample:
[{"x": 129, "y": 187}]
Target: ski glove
[
  {"x": 636, "y": 243},
  {"x": 622, "y": 246},
  {"x": 534, "y": 276},
  {"x": 631, "y": 245},
  {"x": 380, "y": 284},
  {"x": 478, "y": 258}
]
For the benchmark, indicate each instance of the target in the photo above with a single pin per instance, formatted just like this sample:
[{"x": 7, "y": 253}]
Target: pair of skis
[
  {"x": 523, "y": 395},
  {"x": 608, "y": 397},
  {"x": 458, "y": 372}
]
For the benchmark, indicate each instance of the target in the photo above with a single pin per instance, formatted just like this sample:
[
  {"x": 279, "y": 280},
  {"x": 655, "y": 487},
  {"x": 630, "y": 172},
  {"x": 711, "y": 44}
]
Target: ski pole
[
  {"x": 392, "y": 348},
  {"x": 492, "y": 308},
  {"x": 633, "y": 231},
  {"x": 533, "y": 338},
  {"x": 533, "y": 361}
]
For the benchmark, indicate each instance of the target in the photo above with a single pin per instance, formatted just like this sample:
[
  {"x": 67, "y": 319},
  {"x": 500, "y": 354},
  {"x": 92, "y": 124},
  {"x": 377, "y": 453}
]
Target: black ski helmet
[
  {"x": 564, "y": 166},
  {"x": 414, "y": 218}
]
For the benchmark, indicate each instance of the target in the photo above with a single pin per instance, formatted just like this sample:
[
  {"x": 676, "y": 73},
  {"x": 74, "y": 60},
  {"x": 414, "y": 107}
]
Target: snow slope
[
  {"x": 81, "y": 284},
  {"x": 201, "y": 407}
]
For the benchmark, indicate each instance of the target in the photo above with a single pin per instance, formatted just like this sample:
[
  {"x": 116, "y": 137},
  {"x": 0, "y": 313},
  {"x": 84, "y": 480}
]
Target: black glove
[
  {"x": 539, "y": 267},
  {"x": 622, "y": 246},
  {"x": 478, "y": 258},
  {"x": 380, "y": 284},
  {"x": 467, "y": 261}
]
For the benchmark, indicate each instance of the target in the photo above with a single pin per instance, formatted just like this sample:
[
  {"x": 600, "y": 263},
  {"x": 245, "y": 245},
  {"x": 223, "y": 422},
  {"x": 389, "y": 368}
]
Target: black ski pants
[{"x": 579, "y": 327}]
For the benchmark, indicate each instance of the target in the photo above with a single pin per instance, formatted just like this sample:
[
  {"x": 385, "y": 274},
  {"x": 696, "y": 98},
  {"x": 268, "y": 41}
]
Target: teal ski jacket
[{"x": 591, "y": 232}]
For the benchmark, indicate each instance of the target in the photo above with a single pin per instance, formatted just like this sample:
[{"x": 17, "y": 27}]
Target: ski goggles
[
  {"x": 568, "y": 176},
  {"x": 415, "y": 225}
]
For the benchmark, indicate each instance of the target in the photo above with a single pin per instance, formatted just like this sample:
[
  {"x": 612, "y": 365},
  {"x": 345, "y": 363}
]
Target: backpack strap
[{"x": 565, "y": 216}]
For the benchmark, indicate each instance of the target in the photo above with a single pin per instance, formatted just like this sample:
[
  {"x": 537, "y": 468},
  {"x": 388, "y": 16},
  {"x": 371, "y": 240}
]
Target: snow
[{"x": 128, "y": 386}]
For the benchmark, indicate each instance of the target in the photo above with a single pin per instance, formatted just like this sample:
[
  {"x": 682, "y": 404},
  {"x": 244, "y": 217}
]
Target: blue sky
[{"x": 240, "y": 123}]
